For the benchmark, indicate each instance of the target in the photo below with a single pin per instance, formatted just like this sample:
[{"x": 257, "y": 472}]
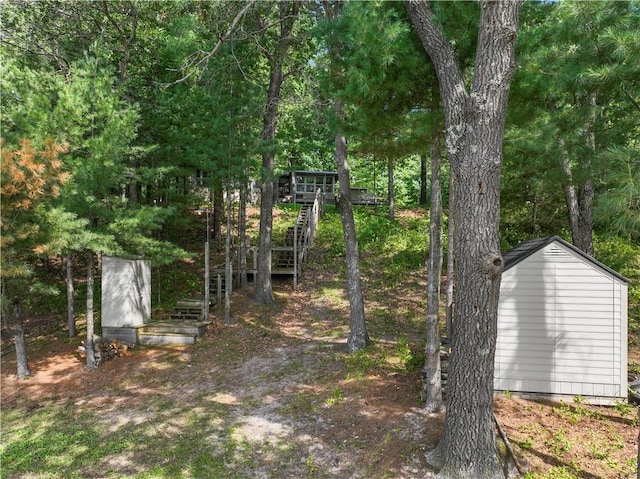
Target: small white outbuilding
[{"x": 562, "y": 324}]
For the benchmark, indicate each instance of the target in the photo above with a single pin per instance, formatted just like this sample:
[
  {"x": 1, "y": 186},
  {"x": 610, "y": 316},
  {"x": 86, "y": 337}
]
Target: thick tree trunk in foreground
[
  {"x": 358, "y": 335},
  {"x": 71, "y": 313},
  {"x": 432, "y": 379},
  {"x": 228, "y": 273},
  {"x": 474, "y": 133},
  {"x": 451, "y": 277},
  {"x": 89, "y": 344},
  {"x": 264, "y": 290}
]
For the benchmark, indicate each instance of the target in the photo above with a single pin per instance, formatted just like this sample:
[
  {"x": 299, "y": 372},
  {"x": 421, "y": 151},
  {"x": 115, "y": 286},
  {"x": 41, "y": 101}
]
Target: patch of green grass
[
  {"x": 57, "y": 440},
  {"x": 409, "y": 359},
  {"x": 562, "y": 472},
  {"x": 53, "y": 440},
  {"x": 336, "y": 396},
  {"x": 559, "y": 443},
  {"x": 364, "y": 362},
  {"x": 303, "y": 402}
]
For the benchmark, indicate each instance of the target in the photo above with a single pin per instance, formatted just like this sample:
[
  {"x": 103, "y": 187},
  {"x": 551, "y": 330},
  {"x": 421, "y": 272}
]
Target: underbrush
[{"x": 182, "y": 424}]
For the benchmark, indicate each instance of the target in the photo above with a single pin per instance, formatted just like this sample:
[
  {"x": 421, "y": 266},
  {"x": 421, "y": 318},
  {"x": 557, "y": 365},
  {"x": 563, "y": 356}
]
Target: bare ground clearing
[{"x": 274, "y": 396}]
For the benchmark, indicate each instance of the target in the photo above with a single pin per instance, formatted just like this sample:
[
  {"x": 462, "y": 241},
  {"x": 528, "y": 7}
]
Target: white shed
[{"x": 562, "y": 324}]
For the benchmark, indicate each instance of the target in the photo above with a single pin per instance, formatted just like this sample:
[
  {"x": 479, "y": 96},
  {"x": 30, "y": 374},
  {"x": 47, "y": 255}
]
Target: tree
[
  {"x": 287, "y": 15},
  {"x": 29, "y": 179},
  {"x": 474, "y": 132},
  {"x": 389, "y": 114},
  {"x": 432, "y": 382},
  {"x": 584, "y": 117},
  {"x": 358, "y": 335}
]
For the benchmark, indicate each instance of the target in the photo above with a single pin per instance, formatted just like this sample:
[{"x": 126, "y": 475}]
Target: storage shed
[{"x": 562, "y": 324}]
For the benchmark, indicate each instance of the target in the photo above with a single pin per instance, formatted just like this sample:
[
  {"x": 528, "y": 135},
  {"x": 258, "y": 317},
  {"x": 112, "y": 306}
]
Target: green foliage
[
  {"x": 330, "y": 233},
  {"x": 623, "y": 255},
  {"x": 618, "y": 204},
  {"x": 397, "y": 246},
  {"x": 362, "y": 363},
  {"x": 572, "y": 98},
  {"x": 409, "y": 359},
  {"x": 336, "y": 396},
  {"x": 556, "y": 472}
]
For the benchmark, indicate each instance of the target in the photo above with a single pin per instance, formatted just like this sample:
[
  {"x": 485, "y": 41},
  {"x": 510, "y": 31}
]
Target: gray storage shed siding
[
  {"x": 562, "y": 324},
  {"x": 126, "y": 297}
]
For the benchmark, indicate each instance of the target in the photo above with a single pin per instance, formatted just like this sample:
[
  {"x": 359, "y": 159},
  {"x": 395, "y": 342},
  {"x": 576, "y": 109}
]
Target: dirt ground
[
  {"x": 290, "y": 370},
  {"x": 281, "y": 373}
]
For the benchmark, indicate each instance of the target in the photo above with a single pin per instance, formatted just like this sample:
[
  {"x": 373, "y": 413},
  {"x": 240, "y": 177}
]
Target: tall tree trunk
[
  {"x": 579, "y": 205},
  {"x": 242, "y": 237},
  {"x": 358, "y": 335},
  {"x": 579, "y": 197},
  {"x": 228, "y": 273},
  {"x": 474, "y": 129},
  {"x": 90, "y": 341},
  {"x": 288, "y": 13},
  {"x": 126, "y": 36},
  {"x": 423, "y": 180},
  {"x": 390, "y": 189},
  {"x": 451, "y": 277},
  {"x": 432, "y": 380},
  {"x": 71, "y": 312},
  {"x": 15, "y": 326},
  {"x": 218, "y": 214}
]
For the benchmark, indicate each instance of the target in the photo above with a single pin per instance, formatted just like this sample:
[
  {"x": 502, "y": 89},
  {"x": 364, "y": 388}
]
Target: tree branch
[{"x": 196, "y": 63}]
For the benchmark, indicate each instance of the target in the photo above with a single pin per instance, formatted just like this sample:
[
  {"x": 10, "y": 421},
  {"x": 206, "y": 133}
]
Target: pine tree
[{"x": 30, "y": 179}]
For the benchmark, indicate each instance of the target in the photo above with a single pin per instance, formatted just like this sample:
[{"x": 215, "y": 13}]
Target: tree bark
[
  {"x": 423, "y": 180},
  {"x": 71, "y": 313},
  {"x": 451, "y": 277},
  {"x": 242, "y": 237},
  {"x": 580, "y": 198},
  {"x": 474, "y": 134},
  {"x": 90, "y": 340},
  {"x": 218, "y": 214},
  {"x": 358, "y": 335},
  {"x": 288, "y": 13},
  {"x": 432, "y": 378},
  {"x": 16, "y": 327},
  {"x": 228, "y": 273}
]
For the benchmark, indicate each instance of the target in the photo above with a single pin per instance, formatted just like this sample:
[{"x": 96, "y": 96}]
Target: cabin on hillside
[
  {"x": 562, "y": 324},
  {"x": 301, "y": 186}
]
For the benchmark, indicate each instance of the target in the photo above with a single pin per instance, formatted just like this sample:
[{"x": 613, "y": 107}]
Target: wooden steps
[
  {"x": 172, "y": 332},
  {"x": 186, "y": 324},
  {"x": 283, "y": 260}
]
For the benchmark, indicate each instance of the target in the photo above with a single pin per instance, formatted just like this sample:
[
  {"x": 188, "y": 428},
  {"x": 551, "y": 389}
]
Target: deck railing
[{"x": 303, "y": 231}]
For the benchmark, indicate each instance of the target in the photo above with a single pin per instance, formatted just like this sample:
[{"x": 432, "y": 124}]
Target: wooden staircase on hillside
[{"x": 286, "y": 259}]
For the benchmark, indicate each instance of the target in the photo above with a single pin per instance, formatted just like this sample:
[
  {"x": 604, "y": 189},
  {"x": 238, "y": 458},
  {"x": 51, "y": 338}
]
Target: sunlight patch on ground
[
  {"x": 225, "y": 398},
  {"x": 259, "y": 429}
]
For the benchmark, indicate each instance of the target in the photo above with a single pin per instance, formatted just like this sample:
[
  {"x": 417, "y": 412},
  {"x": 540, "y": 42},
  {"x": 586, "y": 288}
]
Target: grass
[{"x": 196, "y": 435}]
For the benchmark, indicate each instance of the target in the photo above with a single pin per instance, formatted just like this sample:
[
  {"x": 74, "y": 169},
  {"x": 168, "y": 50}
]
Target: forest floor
[{"x": 273, "y": 395}]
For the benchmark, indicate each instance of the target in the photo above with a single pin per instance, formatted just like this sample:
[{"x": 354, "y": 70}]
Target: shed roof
[{"x": 527, "y": 248}]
